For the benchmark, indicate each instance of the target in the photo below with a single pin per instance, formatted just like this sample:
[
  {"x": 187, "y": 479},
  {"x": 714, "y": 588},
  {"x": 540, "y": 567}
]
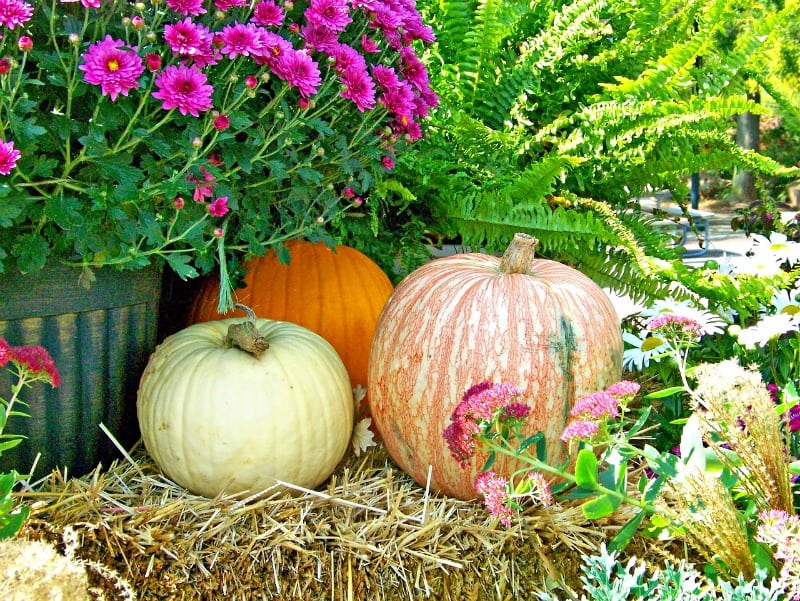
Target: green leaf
[
  {"x": 600, "y": 507},
  {"x": 586, "y": 470},
  {"x": 11, "y": 523},
  {"x": 31, "y": 251},
  {"x": 660, "y": 394},
  {"x": 624, "y": 536},
  {"x": 182, "y": 266},
  {"x": 9, "y": 444},
  {"x": 489, "y": 462}
]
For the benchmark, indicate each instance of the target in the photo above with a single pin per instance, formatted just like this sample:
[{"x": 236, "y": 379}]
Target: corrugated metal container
[{"x": 100, "y": 337}]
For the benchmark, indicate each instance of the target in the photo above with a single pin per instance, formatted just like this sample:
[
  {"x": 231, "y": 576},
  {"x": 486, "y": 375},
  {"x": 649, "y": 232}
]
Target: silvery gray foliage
[{"x": 606, "y": 578}]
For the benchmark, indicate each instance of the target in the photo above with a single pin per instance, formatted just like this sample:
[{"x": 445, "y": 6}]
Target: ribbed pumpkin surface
[
  {"x": 216, "y": 418},
  {"x": 338, "y": 295},
  {"x": 458, "y": 321}
]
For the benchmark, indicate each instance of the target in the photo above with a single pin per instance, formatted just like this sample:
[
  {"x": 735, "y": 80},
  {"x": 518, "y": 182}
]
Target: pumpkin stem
[
  {"x": 245, "y": 335},
  {"x": 519, "y": 255}
]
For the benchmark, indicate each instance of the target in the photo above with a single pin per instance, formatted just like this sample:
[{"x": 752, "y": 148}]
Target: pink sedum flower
[
  {"x": 581, "y": 429},
  {"x": 8, "y": 157},
  {"x": 495, "y": 496},
  {"x": 14, "y": 13},
  {"x": 597, "y": 405},
  {"x": 623, "y": 389},
  {"x": 35, "y": 360},
  {"x": 183, "y": 88},
  {"x": 113, "y": 66}
]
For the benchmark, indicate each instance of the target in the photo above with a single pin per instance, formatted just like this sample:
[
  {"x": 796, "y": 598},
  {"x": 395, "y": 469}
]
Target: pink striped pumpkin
[{"x": 537, "y": 324}]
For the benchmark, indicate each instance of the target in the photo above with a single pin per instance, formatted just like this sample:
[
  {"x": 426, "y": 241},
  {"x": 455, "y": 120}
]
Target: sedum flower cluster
[{"x": 193, "y": 131}]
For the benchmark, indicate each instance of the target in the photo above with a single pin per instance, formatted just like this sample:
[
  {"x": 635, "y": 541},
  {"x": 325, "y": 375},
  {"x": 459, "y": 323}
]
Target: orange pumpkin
[
  {"x": 337, "y": 294},
  {"x": 536, "y": 324}
]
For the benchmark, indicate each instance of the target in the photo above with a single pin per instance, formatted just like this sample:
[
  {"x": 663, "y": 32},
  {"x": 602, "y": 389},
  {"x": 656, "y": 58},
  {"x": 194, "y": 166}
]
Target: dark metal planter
[{"x": 100, "y": 338}]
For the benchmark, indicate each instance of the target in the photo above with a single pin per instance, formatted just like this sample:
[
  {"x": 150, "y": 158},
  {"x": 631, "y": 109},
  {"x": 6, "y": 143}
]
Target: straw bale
[{"x": 370, "y": 533}]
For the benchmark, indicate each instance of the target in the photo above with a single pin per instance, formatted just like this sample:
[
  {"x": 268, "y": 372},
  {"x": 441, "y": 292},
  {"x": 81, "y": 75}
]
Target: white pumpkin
[{"x": 216, "y": 418}]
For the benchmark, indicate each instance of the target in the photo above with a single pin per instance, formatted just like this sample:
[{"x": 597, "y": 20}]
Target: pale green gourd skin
[{"x": 217, "y": 419}]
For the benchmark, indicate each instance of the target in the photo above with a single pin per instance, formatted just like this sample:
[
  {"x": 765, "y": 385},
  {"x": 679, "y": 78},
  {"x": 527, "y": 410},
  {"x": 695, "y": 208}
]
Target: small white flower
[
  {"x": 363, "y": 437},
  {"x": 777, "y": 245},
  {"x": 786, "y": 301},
  {"x": 641, "y": 351},
  {"x": 760, "y": 264},
  {"x": 710, "y": 323},
  {"x": 770, "y": 327}
]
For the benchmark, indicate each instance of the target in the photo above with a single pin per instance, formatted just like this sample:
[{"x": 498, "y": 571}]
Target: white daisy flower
[
  {"x": 642, "y": 351},
  {"x": 760, "y": 264},
  {"x": 777, "y": 245},
  {"x": 769, "y": 328},
  {"x": 710, "y": 323},
  {"x": 787, "y": 301}
]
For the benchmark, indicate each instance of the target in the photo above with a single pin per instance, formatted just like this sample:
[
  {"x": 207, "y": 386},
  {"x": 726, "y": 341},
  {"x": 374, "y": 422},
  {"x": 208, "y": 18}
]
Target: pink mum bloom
[
  {"x": 317, "y": 37},
  {"x": 14, "y": 13},
  {"x": 113, "y": 66},
  {"x": 359, "y": 88},
  {"x": 582, "y": 429},
  {"x": 299, "y": 71},
  {"x": 271, "y": 48},
  {"x": 413, "y": 69},
  {"x": 203, "y": 190},
  {"x": 224, "y": 5},
  {"x": 8, "y": 156},
  {"x": 331, "y": 14},
  {"x": 184, "y": 88},
  {"x": 368, "y": 45},
  {"x": 268, "y": 14},
  {"x": 495, "y": 496},
  {"x": 597, "y": 405},
  {"x": 190, "y": 40},
  {"x": 219, "y": 207},
  {"x": 187, "y": 7},
  {"x": 239, "y": 39},
  {"x": 623, "y": 388}
]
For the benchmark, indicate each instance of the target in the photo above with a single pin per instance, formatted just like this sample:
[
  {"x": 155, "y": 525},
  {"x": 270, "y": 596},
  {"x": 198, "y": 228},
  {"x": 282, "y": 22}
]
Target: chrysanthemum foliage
[{"x": 193, "y": 131}]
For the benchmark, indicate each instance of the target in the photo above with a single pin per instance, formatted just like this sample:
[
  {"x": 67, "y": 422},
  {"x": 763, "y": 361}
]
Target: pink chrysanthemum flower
[
  {"x": 623, "y": 388},
  {"x": 190, "y": 40},
  {"x": 299, "y": 71},
  {"x": 597, "y": 405},
  {"x": 224, "y": 5},
  {"x": 183, "y": 88},
  {"x": 8, "y": 157},
  {"x": 219, "y": 207},
  {"x": 113, "y": 66},
  {"x": 204, "y": 189},
  {"x": 582, "y": 429},
  {"x": 240, "y": 39},
  {"x": 187, "y": 7},
  {"x": 14, "y": 13},
  {"x": 359, "y": 88},
  {"x": 495, "y": 496},
  {"x": 413, "y": 69},
  {"x": 268, "y": 14},
  {"x": 318, "y": 38},
  {"x": 368, "y": 45},
  {"x": 347, "y": 57},
  {"x": 90, "y": 3},
  {"x": 331, "y": 14},
  {"x": 271, "y": 48}
]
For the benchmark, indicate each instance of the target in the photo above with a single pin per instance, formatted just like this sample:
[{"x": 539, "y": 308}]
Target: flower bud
[
  {"x": 25, "y": 43},
  {"x": 178, "y": 203},
  {"x": 74, "y": 39},
  {"x": 219, "y": 232},
  {"x": 265, "y": 76},
  {"x": 5, "y": 66},
  {"x": 387, "y": 162},
  {"x": 151, "y": 36},
  {"x": 303, "y": 103},
  {"x": 137, "y": 22},
  {"x": 320, "y": 220},
  {"x": 348, "y": 192},
  {"x": 126, "y": 21},
  {"x": 153, "y": 61},
  {"x": 139, "y": 6},
  {"x": 358, "y": 201},
  {"x": 221, "y": 122},
  {"x": 294, "y": 28},
  {"x": 320, "y": 152},
  {"x": 250, "y": 81},
  {"x": 197, "y": 142},
  {"x": 288, "y": 5}
]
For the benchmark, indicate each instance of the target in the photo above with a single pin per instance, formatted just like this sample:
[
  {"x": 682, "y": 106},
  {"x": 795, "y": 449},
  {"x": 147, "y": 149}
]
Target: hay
[{"x": 371, "y": 533}]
